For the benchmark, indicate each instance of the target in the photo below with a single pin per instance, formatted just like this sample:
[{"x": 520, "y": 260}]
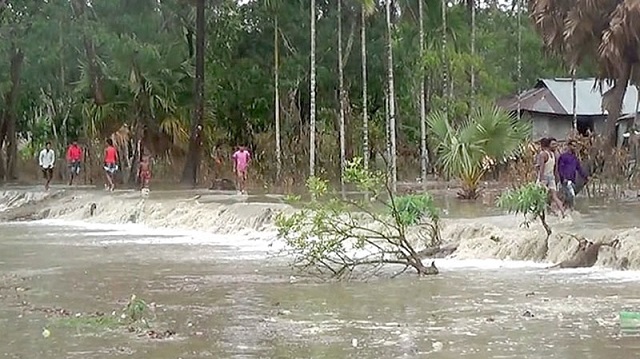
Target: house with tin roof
[{"x": 549, "y": 106}]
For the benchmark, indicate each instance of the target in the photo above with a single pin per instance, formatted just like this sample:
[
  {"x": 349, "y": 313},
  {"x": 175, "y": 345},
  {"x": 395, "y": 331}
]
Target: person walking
[
  {"x": 547, "y": 172},
  {"x": 47, "y": 160},
  {"x": 74, "y": 157},
  {"x": 110, "y": 163},
  {"x": 241, "y": 160},
  {"x": 568, "y": 167}
]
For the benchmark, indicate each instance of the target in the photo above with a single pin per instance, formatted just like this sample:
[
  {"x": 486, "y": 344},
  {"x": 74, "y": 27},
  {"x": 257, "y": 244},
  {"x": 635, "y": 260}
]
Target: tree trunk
[
  {"x": 312, "y": 115},
  {"x": 424, "y": 152},
  {"x": 343, "y": 158},
  {"x": 472, "y": 4},
  {"x": 445, "y": 58},
  {"x": 392, "y": 105},
  {"x": 17, "y": 59},
  {"x": 574, "y": 101},
  {"x": 277, "y": 100},
  {"x": 365, "y": 105},
  {"x": 95, "y": 73},
  {"x": 190, "y": 173},
  {"x": 519, "y": 56},
  {"x": 612, "y": 102}
]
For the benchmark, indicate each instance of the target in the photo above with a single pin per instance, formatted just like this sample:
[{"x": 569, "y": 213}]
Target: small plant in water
[
  {"x": 136, "y": 312},
  {"x": 530, "y": 200},
  {"x": 333, "y": 236}
]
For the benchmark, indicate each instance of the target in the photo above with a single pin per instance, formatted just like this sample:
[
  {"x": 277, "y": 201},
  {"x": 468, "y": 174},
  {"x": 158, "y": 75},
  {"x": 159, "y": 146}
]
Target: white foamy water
[
  {"x": 128, "y": 233},
  {"x": 489, "y": 243}
]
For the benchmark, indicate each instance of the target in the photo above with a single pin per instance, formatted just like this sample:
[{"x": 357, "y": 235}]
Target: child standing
[{"x": 144, "y": 174}]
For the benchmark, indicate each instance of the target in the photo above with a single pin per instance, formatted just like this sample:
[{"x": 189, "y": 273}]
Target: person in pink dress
[{"x": 241, "y": 160}]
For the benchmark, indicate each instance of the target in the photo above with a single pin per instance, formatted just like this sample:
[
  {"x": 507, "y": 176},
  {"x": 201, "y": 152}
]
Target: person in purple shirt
[{"x": 568, "y": 167}]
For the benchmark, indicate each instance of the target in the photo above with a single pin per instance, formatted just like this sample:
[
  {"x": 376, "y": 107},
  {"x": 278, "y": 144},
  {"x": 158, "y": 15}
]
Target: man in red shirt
[
  {"x": 74, "y": 157},
  {"x": 110, "y": 163}
]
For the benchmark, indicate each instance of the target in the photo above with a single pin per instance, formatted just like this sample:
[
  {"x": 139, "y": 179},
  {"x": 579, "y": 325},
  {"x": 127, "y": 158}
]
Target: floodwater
[{"x": 225, "y": 298}]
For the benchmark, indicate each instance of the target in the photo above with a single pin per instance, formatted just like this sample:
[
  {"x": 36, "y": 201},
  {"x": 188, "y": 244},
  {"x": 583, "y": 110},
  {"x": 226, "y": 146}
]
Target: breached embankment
[{"x": 496, "y": 237}]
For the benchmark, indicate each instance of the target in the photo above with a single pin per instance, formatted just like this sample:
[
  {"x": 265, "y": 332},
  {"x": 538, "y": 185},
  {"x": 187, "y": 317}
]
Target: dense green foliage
[
  {"x": 78, "y": 68},
  {"x": 333, "y": 235}
]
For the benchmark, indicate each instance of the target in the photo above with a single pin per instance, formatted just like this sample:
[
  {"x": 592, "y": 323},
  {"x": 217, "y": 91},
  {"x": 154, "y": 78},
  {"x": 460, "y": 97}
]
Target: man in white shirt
[{"x": 46, "y": 160}]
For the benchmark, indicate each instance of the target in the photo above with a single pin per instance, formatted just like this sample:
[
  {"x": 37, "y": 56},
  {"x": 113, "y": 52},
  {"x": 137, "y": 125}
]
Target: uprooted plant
[
  {"x": 586, "y": 254},
  {"x": 333, "y": 236}
]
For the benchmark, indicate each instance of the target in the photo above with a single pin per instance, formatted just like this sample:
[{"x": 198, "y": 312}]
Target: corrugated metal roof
[
  {"x": 534, "y": 100},
  {"x": 588, "y": 96}
]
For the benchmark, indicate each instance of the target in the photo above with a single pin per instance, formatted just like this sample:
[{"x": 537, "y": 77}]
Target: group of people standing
[
  {"x": 558, "y": 171},
  {"x": 74, "y": 158}
]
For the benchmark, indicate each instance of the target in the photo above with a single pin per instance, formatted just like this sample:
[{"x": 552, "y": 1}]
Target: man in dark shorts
[
  {"x": 46, "y": 160},
  {"x": 74, "y": 157},
  {"x": 110, "y": 163}
]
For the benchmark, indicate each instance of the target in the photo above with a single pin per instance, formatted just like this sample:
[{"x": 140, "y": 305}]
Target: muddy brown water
[{"x": 228, "y": 301}]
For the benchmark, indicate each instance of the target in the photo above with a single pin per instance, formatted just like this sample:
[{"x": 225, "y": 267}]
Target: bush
[
  {"x": 332, "y": 235},
  {"x": 529, "y": 200}
]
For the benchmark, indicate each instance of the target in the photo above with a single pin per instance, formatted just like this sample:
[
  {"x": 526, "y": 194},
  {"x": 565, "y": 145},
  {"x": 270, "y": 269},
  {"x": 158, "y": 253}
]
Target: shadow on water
[{"x": 222, "y": 306}]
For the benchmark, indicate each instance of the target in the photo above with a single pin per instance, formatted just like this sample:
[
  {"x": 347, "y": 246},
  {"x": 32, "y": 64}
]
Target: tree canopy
[{"x": 89, "y": 69}]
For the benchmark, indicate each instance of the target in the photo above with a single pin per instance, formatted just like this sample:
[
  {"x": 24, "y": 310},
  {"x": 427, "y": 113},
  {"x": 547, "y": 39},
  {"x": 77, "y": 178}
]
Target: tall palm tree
[
  {"x": 312, "y": 84},
  {"x": 473, "y": 51},
  {"x": 368, "y": 6},
  {"x": 606, "y": 31},
  {"x": 190, "y": 173},
  {"x": 343, "y": 155},
  {"x": 445, "y": 61},
  {"x": 424, "y": 153},
  {"x": 273, "y": 6},
  {"x": 392, "y": 100}
]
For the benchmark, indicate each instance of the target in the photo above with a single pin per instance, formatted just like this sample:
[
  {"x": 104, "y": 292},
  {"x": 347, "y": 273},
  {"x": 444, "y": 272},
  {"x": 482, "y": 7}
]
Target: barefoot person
[
  {"x": 547, "y": 172},
  {"x": 74, "y": 157},
  {"x": 46, "y": 161},
  {"x": 144, "y": 174},
  {"x": 110, "y": 163},
  {"x": 241, "y": 159},
  {"x": 568, "y": 167}
]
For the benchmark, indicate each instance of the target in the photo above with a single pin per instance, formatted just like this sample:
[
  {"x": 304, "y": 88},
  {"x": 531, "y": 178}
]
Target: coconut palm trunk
[
  {"x": 424, "y": 154},
  {"x": 343, "y": 156},
  {"x": 190, "y": 173},
  {"x": 392, "y": 98},
  {"x": 312, "y": 115},
  {"x": 445, "y": 61},
  {"x": 276, "y": 105},
  {"x": 365, "y": 104},
  {"x": 473, "y": 52}
]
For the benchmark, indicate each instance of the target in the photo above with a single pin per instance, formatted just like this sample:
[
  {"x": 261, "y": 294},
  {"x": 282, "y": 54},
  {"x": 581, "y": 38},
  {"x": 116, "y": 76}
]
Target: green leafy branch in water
[
  {"x": 529, "y": 200},
  {"x": 332, "y": 235}
]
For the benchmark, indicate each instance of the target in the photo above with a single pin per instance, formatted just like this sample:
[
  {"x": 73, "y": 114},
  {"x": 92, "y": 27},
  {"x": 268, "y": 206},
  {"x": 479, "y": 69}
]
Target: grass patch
[{"x": 90, "y": 322}]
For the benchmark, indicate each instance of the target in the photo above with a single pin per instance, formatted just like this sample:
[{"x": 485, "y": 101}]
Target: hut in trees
[{"x": 549, "y": 106}]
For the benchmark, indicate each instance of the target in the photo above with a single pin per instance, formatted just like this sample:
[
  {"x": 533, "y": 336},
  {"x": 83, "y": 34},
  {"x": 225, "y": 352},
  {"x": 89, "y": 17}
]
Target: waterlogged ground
[{"x": 227, "y": 301}]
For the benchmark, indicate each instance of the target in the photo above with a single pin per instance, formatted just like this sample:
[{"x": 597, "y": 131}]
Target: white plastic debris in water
[
  {"x": 354, "y": 342},
  {"x": 46, "y": 333},
  {"x": 437, "y": 346}
]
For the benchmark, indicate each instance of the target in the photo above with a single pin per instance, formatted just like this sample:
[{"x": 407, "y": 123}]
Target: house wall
[
  {"x": 560, "y": 126},
  {"x": 547, "y": 126}
]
